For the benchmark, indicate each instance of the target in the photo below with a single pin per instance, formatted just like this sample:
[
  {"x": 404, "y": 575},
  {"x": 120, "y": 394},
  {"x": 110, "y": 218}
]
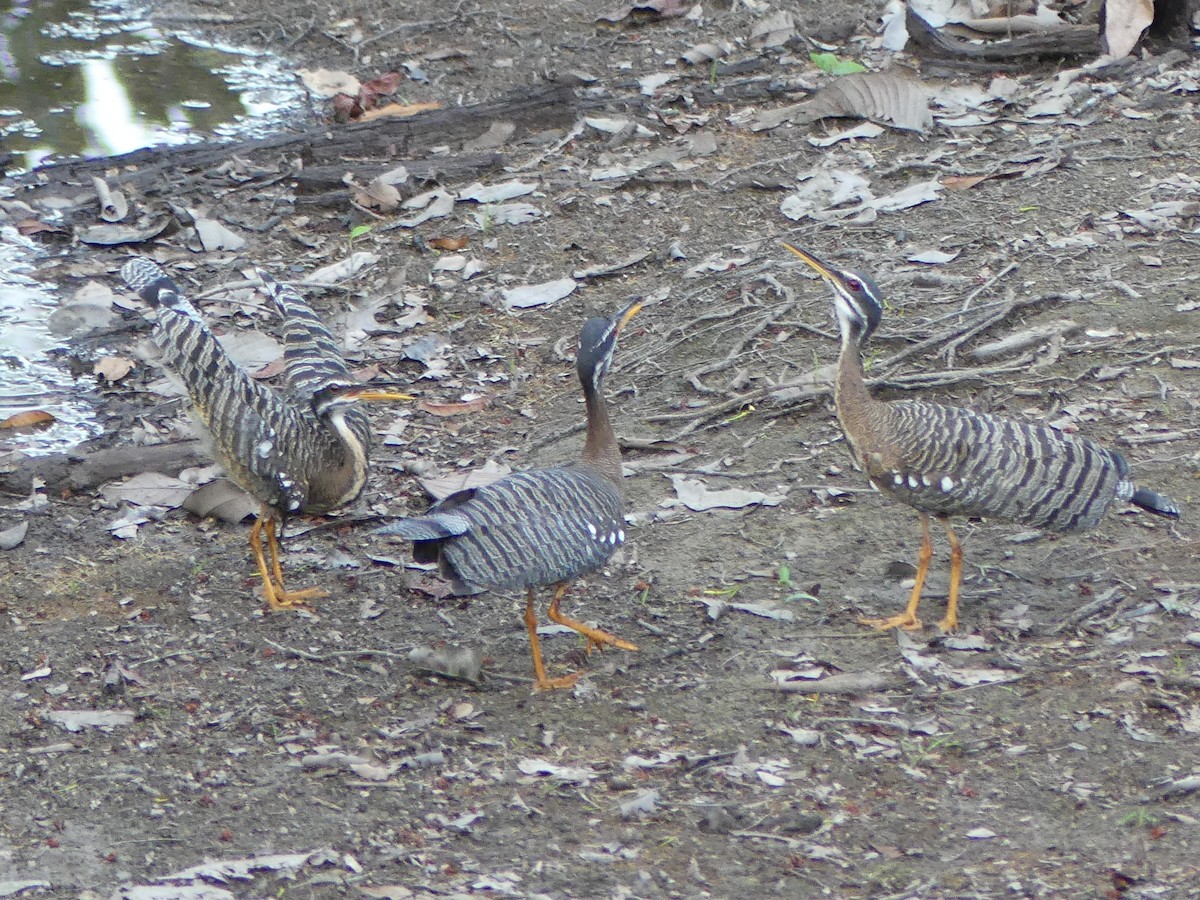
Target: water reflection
[
  {"x": 86, "y": 79},
  {"x": 29, "y": 378}
]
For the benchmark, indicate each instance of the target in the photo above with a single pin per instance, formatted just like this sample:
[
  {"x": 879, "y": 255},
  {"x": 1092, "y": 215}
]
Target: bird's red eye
[{"x": 854, "y": 284}]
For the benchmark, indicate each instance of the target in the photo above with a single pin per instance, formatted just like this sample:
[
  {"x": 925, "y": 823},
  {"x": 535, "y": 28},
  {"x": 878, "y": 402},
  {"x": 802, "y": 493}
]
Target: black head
[
  {"x": 598, "y": 342},
  {"x": 857, "y": 301},
  {"x": 342, "y": 394}
]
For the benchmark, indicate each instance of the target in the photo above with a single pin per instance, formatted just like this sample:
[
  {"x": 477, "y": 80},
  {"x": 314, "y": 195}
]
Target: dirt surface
[{"x": 1043, "y": 751}]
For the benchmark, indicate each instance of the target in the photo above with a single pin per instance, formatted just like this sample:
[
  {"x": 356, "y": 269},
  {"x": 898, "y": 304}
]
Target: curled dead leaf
[
  {"x": 453, "y": 409},
  {"x": 112, "y": 368},
  {"x": 33, "y": 418},
  {"x": 449, "y": 243}
]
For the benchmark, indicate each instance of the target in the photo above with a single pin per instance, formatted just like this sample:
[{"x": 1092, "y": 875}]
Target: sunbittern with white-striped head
[
  {"x": 306, "y": 451},
  {"x": 540, "y": 527},
  {"x": 947, "y": 461}
]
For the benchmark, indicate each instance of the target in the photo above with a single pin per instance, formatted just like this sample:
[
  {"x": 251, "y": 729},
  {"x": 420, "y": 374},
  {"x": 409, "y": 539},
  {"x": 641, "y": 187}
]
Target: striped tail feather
[
  {"x": 217, "y": 385},
  {"x": 249, "y": 423},
  {"x": 1156, "y": 503},
  {"x": 428, "y": 528},
  {"x": 314, "y": 359}
]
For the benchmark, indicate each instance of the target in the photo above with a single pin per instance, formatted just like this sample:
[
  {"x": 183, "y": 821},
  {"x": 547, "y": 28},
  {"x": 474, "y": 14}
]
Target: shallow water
[
  {"x": 30, "y": 379},
  {"x": 96, "y": 79}
]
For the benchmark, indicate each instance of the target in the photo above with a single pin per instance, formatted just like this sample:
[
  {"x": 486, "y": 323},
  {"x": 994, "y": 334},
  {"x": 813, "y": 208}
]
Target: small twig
[
  {"x": 1084, "y": 612},
  {"x": 767, "y": 836},
  {"x": 1011, "y": 267}
]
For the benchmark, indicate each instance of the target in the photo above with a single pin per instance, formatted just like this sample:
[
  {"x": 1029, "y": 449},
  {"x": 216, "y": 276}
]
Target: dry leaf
[
  {"x": 443, "y": 486},
  {"x": 34, "y": 226},
  {"x": 695, "y": 495},
  {"x": 963, "y": 182},
  {"x": 33, "y": 418},
  {"x": 1124, "y": 22},
  {"x": 399, "y": 111},
  {"x": 449, "y": 243},
  {"x": 148, "y": 489},
  {"x": 326, "y": 83},
  {"x": 112, "y": 368},
  {"x": 222, "y": 499},
  {"x": 11, "y": 538},
  {"x": 452, "y": 409},
  {"x": 899, "y": 102},
  {"x": 537, "y": 294}
]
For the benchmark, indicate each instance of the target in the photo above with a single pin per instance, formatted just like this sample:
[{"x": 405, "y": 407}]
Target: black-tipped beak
[{"x": 822, "y": 269}]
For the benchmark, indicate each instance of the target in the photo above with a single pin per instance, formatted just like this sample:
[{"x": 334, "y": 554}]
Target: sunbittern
[
  {"x": 305, "y": 451},
  {"x": 947, "y": 461},
  {"x": 541, "y": 527}
]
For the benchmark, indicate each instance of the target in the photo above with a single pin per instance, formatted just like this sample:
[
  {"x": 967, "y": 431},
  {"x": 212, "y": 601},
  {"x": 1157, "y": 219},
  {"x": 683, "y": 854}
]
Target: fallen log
[
  {"x": 83, "y": 469},
  {"x": 395, "y": 141}
]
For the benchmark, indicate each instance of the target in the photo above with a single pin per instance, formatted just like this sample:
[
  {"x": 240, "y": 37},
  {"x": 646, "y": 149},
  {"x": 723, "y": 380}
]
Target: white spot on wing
[
  {"x": 898, "y": 478},
  {"x": 912, "y": 481},
  {"x": 264, "y": 449},
  {"x": 925, "y": 480},
  {"x": 947, "y": 484},
  {"x": 621, "y": 535},
  {"x": 294, "y": 505},
  {"x": 591, "y": 529}
]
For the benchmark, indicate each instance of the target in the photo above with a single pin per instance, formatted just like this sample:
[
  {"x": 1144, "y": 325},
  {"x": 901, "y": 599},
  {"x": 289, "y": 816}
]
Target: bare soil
[{"x": 1031, "y": 756}]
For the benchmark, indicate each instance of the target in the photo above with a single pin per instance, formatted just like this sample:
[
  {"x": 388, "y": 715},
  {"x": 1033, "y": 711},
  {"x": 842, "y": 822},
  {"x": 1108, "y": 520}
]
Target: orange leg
[
  {"x": 597, "y": 639},
  {"x": 950, "y": 622},
  {"x": 541, "y": 682},
  {"x": 908, "y": 619},
  {"x": 278, "y": 597}
]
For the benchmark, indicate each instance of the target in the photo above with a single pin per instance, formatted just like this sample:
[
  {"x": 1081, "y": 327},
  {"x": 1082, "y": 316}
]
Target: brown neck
[
  {"x": 854, "y": 403},
  {"x": 601, "y": 450}
]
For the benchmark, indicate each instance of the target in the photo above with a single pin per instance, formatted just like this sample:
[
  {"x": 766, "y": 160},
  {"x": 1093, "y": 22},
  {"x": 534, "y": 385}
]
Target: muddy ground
[{"x": 1042, "y": 752}]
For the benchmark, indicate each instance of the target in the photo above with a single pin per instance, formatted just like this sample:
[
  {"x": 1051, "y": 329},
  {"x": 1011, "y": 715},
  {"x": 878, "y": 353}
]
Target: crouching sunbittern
[
  {"x": 305, "y": 451},
  {"x": 946, "y": 461},
  {"x": 541, "y": 527}
]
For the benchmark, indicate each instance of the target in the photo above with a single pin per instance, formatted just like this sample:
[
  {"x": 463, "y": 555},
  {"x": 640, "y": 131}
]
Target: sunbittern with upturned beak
[
  {"x": 541, "y": 527},
  {"x": 305, "y": 451},
  {"x": 947, "y": 461}
]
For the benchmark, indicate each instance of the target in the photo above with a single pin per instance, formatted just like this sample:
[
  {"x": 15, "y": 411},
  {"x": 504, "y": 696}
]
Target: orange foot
[
  {"x": 906, "y": 621},
  {"x": 948, "y": 624},
  {"x": 280, "y": 599},
  {"x": 555, "y": 684}
]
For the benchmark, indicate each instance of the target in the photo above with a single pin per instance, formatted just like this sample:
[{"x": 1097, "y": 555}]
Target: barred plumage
[
  {"x": 526, "y": 530},
  {"x": 307, "y": 452},
  {"x": 541, "y": 527},
  {"x": 947, "y": 461},
  {"x": 967, "y": 463}
]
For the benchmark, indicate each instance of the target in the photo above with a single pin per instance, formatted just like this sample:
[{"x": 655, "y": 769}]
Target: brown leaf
[
  {"x": 453, "y": 409},
  {"x": 372, "y": 90},
  {"x": 449, "y": 243},
  {"x": 33, "y": 418},
  {"x": 113, "y": 368},
  {"x": 35, "y": 226},
  {"x": 399, "y": 111},
  {"x": 346, "y": 108},
  {"x": 963, "y": 182}
]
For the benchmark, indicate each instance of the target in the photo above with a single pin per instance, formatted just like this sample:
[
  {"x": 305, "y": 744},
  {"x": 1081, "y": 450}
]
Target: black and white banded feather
[
  {"x": 274, "y": 446},
  {"x": 964, "y": 463},
  {"x": 525, "y": 530}
]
